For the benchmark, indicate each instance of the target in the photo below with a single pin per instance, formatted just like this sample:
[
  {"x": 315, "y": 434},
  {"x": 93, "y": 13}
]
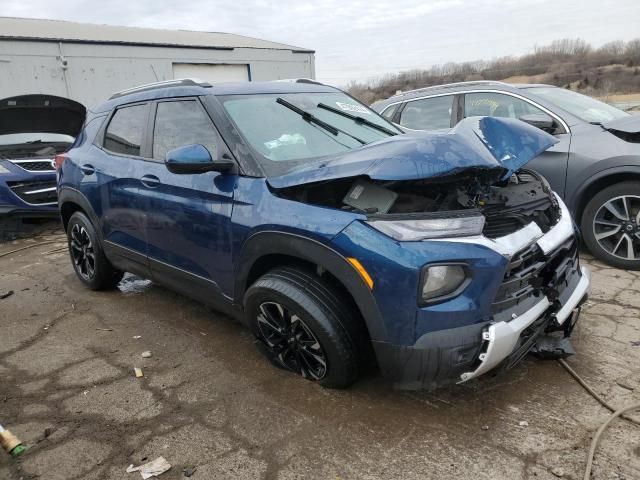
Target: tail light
[{"x": 59, "y": 160}]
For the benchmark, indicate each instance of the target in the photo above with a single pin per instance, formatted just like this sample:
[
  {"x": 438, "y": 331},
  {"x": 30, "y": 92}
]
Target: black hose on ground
[{"x": 616, "y": 413}]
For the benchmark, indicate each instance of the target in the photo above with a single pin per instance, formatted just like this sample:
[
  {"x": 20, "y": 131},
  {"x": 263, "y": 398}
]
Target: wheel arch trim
[
  {"x": 577, "y": 202},
  {"x": 266, "y": 243},
  {"x": 71, "y": 195}
]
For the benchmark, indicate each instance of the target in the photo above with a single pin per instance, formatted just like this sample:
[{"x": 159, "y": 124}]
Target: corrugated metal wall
[{"x": 89, "y": 73}]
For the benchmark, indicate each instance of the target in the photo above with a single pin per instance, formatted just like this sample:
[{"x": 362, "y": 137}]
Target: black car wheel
[
  {"x": 291, "y": 341},
  {"x": 303, "y": 325},
  {"x": 87, "y": 257},
  {"x": 611, "y": 225}
]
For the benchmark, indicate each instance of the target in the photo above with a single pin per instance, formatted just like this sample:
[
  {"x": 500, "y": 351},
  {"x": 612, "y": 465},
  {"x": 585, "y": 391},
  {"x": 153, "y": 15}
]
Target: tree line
[{"x": 613, "y": 68}]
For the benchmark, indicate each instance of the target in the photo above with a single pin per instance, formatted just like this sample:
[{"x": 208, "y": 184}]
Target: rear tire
[
  {"x": 611, "y": 225},
  {"x": 304, "y": 325},
  {"x": 87, "y": 257}
]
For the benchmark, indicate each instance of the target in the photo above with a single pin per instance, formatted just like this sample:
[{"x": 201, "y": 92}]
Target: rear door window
[
  {"x": 126, "y": 129},
  {"x": 180, "y": 123},
  {"x": 497, "y": 105},
  {"x": 428, "y": 113}
]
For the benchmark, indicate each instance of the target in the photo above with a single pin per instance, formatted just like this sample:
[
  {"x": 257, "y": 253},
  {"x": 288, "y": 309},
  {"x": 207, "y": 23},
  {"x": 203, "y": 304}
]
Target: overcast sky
[{"x": 357, "y": 40}]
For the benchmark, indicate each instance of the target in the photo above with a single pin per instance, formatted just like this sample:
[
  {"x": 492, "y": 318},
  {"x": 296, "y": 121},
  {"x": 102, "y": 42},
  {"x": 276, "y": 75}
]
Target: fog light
[{"x": 442, "y": 281}]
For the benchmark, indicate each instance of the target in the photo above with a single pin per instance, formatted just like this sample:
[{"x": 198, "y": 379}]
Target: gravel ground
[{"x": 209, "y": 400}]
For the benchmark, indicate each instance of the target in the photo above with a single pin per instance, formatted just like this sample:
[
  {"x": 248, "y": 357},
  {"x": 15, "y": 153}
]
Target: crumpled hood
[
  {"x": 630, "y": 124},
  {"x": 41, "y": 114},
  {"x": 476, "y": 143}
]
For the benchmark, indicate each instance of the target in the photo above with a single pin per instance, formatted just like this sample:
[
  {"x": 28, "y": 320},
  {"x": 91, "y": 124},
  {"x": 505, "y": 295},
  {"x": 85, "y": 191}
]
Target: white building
[{"x": 87, "y": 63}]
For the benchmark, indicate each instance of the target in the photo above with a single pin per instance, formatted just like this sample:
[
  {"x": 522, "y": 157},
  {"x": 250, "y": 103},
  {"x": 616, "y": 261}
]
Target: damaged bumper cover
[
  {"x": 460, "y": 354},
  {"x": 502, "y": 338}
]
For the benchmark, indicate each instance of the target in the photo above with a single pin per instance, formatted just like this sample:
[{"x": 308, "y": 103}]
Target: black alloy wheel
[
  {"x": 82, "y": 252},
  {"x": 291, "y": 341},
  {"x": 303, "y": 324},
  {"x": 87, "y": 257},
  {"x": 611, "y": 225}
]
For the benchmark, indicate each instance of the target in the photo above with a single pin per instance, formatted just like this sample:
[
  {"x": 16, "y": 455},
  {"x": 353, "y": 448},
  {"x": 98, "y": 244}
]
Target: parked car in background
[
  {"x": 594, "y": 167},
  {"x": 33, "y": 130},
  {"x": 303, "y": 213}
]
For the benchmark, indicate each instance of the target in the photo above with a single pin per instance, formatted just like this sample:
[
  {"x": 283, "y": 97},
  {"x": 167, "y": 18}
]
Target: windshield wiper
[
  {"x": 311, "y": 118},
  {"x": 358, "y": 119}
]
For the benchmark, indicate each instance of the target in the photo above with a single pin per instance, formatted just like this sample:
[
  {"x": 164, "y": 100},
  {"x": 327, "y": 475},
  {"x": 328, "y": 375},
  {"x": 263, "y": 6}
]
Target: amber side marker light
[{"x": 361, "y": 270}]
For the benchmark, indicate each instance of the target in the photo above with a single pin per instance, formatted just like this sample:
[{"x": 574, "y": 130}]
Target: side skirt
[{"x": 186, "y": 283}]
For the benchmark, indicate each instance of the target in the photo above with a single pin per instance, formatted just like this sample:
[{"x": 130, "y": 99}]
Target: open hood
[
  {"x": 477, "y": 143},
  {"x": 630, "y": 124},
  {"x": 41, "y": 113}
]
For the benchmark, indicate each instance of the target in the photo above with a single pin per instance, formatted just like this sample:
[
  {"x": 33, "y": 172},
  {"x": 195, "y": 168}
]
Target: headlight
[
  {"x": 3, "y": 170},
  {"x": 441, "y": 281},
  {"x": 421, "y": 229}
]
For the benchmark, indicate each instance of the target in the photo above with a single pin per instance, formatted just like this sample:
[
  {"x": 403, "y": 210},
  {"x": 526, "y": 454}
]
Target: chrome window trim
[{"x": 487, "y": 90}]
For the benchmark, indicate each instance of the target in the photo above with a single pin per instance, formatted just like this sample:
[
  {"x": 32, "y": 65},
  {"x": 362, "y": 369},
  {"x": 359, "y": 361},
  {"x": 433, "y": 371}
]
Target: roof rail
[
  {"x": 300, "y": 80},
  {"x": 453, "y": 85},
  {"x": 178, "y": 82}
]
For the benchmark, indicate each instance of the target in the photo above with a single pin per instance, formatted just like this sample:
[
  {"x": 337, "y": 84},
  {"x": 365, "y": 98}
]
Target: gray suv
[{"x": 595, "y": 166}]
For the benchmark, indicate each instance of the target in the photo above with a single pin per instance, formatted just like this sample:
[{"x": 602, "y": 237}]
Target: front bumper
[
  {"x": 462, "y": 352},
  {"x": 25, "y": 193},
  {"x": 500, "y": 339}
]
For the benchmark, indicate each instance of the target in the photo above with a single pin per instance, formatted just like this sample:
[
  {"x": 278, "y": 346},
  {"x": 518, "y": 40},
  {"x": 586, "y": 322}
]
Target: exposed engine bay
[{"x": 507, "y": 205}]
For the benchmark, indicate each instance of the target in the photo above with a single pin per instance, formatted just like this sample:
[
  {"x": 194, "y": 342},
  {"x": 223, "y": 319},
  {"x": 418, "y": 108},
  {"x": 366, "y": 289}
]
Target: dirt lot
[{"x": 209, "y": 400}]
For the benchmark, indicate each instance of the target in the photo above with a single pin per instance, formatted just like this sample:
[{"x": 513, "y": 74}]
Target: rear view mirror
[
  {"x": 195, "y": 159},
  {"x": 539, "y": 120}
]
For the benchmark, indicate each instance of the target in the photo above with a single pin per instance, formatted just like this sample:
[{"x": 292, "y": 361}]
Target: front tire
[
  {"x": 303, "y": 325},
  {"x": 611, "y": 225},
  {"x": 87, "y": 257}
]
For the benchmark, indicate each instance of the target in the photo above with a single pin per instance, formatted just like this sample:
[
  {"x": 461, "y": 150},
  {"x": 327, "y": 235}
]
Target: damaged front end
[
  {"x": 467, "y": 191},
  {"x": 415, "y": 187}
]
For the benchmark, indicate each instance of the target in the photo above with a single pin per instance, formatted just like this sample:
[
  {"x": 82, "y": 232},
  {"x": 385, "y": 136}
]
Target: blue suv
[{"x": 298, "y": 210}]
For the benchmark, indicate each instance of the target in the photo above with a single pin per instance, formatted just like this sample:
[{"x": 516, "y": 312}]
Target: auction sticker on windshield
[{"x": 349, "y": 107}]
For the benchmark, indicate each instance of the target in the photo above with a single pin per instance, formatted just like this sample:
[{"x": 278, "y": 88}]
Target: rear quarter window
[{"x": 390, "y": 111}]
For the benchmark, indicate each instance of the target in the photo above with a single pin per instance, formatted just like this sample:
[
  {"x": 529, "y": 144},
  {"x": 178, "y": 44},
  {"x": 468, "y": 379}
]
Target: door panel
[
  {"x": 111, "y": 182},
  {"x": 188, "y": 221}
]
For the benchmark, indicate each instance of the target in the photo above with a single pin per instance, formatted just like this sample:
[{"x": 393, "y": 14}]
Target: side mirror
[
  {"x": 195, "y": 159},
  {"x": 539, "y": 120}
]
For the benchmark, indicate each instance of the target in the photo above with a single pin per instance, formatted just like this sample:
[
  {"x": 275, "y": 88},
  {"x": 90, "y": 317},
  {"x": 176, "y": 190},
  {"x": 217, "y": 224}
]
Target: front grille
[
  {"x": 526, "y": 202},
  {"x": 499, "y": 226},
  {"x": 35, "y": 193},
  {"x": 35, "y": 165},
  {"x": 531, "y": 274}
]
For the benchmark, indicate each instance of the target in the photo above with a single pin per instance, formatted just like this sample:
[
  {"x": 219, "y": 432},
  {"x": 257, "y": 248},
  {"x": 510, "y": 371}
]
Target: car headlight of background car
[
  {"x": 3, "y": 170},
  {"x": 426, "y": 228},
  {"x": 440, "y": 282}
]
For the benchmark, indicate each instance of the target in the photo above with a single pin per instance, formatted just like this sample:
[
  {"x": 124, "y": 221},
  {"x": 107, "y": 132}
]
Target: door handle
[
  {"x": 150, "y": 181},
  {"x": 88, "y": 169}
]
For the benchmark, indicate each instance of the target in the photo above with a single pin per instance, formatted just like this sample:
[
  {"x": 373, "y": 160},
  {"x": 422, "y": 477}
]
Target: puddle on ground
[{"x": 132, "y": 285}]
